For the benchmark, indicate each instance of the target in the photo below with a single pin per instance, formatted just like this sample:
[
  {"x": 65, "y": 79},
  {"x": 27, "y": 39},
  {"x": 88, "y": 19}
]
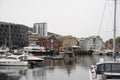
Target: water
[{"x": 53, "y": 70}]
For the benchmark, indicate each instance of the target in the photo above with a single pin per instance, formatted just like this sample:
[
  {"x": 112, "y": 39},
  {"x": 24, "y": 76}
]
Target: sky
[{"x": 79, "y": 18}]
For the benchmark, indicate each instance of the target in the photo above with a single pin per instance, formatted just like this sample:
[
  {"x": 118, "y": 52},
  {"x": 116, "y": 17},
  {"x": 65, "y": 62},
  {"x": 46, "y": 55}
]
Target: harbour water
[{"x": 53, "y": 69}]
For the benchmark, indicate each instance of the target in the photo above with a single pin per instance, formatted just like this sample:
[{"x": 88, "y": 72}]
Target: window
[
  {"x": 100, "y": 67},
  {"x": 107, "y": 67},
  {"x": 116, "y": 67},
  {"x": 94, "y": 40}
]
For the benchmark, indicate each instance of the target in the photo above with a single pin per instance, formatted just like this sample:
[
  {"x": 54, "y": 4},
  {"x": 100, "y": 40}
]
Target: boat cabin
[
  {"x": 109, "y": 70},
  {"x": 108, "y": 67}
]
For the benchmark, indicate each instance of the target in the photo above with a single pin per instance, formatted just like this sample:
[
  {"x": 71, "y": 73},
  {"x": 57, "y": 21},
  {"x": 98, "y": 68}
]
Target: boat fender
[{"x": 92, "y": 66}]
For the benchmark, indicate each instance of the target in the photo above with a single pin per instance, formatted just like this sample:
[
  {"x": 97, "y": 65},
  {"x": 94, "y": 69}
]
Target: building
[
  {"x": 109, "y": 44},
  {"x": 69, "y": 41},
  {"x": 40, "y": 29},
  {"x": 82, "y": 42},
  {"x": 94, "y": 43},
  {"x": 50, "y": 42},
  {"x": 13, "y": 35},
  {"x": 33, "y": 38}
]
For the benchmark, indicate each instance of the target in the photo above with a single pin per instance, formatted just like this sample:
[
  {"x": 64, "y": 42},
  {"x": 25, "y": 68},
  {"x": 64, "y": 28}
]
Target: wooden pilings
[{"x": 85, "y": 52}]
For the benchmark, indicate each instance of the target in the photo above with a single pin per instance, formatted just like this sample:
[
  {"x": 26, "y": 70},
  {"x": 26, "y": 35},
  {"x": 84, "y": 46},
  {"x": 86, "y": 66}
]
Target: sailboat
[{"x": 107, "y": 70}]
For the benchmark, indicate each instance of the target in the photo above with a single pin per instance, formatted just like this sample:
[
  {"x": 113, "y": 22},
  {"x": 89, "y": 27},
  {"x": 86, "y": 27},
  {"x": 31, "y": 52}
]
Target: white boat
[
  {"x": 99, "y": 52},
  {"x": 103, "y": 52},
  {"x": 108, "y": 51},
  {"x": 13, "y": 60},
  {"x": 107, "y": 70},
  {"x": 34, "y": 58},
  {"x": 34, "y": 48},
  {"x": 4, "y": 49},
  {"x": 18, "y": 60}
]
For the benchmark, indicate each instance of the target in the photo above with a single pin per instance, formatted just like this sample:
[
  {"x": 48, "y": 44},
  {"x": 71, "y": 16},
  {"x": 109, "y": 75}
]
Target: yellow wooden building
[{"x": 68, "y": 41}]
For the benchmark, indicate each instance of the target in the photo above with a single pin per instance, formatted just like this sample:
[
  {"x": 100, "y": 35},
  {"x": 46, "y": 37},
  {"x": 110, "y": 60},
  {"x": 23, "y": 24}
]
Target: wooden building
[{"x": 50, "y": 42}]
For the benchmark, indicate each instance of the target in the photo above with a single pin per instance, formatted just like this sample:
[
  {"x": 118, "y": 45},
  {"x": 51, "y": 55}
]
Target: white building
[
  {"x": 94, "y": 43},
  {"x": 40, "y": 29},
  {"x": 82, "y": 42}
]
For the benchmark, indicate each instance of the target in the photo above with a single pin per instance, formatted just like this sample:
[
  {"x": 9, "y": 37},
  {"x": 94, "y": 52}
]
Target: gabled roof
[
  {"x": 47, "y": 37},
  {"x": 61, "y": 38}
]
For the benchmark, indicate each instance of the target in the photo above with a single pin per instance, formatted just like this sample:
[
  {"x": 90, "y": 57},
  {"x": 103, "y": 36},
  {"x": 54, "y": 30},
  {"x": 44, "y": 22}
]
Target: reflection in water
[
  {"x": 12, "y": 72},
  {"x": 53, "y": 69},
  {"x": 69, "y": 65},
  {"x": 6, "y": 77}
]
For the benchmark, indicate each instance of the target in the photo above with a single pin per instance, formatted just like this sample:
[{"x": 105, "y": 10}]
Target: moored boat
[
  {"x": 99, "y": 52},
  {"x": 35, "y": 49},
  {"x": 13, "y": 60},
  {"x": 105, "y": 70},
  {"x": 3, "y": 49},
  {"x": 19, "y": 60}
]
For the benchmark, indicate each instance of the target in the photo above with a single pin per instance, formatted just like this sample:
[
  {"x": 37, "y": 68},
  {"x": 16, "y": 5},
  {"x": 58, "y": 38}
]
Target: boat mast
[
  {"x": 10, "y": 45},
  {"x": 114, "y": 30},
  {"x": 5, "y": 41}
]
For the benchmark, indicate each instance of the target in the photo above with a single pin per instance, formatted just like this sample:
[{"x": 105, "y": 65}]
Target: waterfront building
[
  {"x": 40, "y": 29},
  {"x": 33, "y": 38},
  {"x": 50, "y": 42},
  {"x": 109, "y": 44},
  {"x": 82, "y": 42},
  {"x": 94, "y": 43},
  {"x": 69, "y": 41},
  {"x": 13, "y": 35}
]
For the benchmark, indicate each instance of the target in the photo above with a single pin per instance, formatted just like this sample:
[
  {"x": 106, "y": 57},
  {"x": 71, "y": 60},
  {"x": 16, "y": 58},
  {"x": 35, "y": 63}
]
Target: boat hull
[{"x": 10, "y": 62}]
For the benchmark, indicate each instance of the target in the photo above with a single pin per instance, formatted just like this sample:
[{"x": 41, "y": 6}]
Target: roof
[{"x": 109, "y": 62}]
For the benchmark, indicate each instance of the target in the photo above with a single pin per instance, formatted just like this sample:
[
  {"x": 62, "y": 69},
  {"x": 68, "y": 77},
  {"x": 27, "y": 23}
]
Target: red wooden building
[{"x": 50, "y": 42}]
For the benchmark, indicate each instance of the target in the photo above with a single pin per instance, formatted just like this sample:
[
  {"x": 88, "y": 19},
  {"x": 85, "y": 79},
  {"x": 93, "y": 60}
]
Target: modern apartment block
[
  {"x": 13, "y": 35},
  {"x": 40, "y": 29}
]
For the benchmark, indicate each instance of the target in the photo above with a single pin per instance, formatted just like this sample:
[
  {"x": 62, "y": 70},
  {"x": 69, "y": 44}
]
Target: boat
[
  {"x": 34, "y": 49},
  {"x": 107, "y": 70},
  {"x": 108, "y": 51},
  {"x": 104, "y": 70},
  {"x": 13, "y": 60},
  {"x": 9, "y": 59},
  {"x": 34, "y": 58},
  {"x": 103, "y": 52},
  {"x": 99, "y": 52},
  {"x": 3, "y": 49}
]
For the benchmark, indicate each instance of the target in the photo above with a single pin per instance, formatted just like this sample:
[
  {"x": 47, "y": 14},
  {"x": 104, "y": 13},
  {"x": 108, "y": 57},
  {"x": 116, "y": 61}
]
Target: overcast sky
[{"x": 80, "y": 18}]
